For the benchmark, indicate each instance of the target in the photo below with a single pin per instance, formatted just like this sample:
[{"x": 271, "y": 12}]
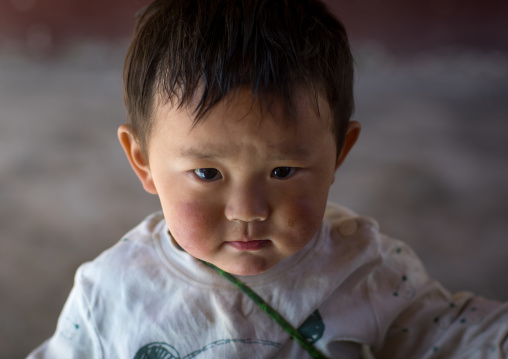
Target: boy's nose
[{"x": 247, "y": 204}]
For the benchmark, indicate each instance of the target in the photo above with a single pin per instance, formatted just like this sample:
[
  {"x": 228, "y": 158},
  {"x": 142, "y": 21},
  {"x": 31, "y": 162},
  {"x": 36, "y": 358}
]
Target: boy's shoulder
[
  {"x": 138, "y": 238},
  {"x": 346, "y": 221},
  {"x": 359, "y": 239},
  {"x": 136, "y": 247},
  {"x": 342, "y": 226}
]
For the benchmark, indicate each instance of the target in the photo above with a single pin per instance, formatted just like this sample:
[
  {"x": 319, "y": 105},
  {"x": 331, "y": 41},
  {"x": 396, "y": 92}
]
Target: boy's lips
[{"x": 249, "y": 245}]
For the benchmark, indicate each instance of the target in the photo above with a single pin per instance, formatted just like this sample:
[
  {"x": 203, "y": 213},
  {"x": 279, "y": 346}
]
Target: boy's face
[{"x": 243, "y": 189}]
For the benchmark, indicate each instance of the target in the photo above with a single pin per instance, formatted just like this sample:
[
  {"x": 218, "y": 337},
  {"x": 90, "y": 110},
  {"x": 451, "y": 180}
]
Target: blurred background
[{"x": 431, "y": 165}]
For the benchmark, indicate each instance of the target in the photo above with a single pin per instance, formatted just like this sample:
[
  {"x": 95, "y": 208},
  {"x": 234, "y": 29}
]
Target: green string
[{"x": 295, "y": 334}]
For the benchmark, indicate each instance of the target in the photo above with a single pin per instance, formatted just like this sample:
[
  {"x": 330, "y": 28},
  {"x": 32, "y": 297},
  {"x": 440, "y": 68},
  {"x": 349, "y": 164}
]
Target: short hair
[{"x": 182, "y": 49}]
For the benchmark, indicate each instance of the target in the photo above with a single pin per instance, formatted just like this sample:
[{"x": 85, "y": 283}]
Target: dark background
[
  {"x": 401, "y": 26},
  {"x": 431, "y": 164}
]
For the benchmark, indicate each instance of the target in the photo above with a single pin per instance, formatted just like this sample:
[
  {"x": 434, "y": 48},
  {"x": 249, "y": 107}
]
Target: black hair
[{"x": 211, "y": 48}]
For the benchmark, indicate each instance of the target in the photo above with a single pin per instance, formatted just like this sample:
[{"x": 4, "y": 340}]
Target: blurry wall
[
  {"x": 63, "y": 20},
  {"x": 408, "y": 26},
  {"x": 431, "y": 164},
  {"x": 399, "y": 25}
]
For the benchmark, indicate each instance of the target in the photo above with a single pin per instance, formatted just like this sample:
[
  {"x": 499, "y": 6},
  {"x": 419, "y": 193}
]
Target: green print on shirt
[
  {"x": 312, "y": 330},
  {"x": 166, "y": 351}
]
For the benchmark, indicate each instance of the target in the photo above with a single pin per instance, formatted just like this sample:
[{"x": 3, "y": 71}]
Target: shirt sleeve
[
  {"x": 418, "y": 318},
  {"x": 76, "y": 334}
]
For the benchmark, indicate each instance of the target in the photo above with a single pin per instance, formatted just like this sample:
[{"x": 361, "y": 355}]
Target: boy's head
[{"x": 239, "y": 117}]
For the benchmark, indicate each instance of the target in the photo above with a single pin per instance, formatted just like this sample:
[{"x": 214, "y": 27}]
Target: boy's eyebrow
[
  {"x": 285, "y": 153},
  {"x": 200, "y": 153}
]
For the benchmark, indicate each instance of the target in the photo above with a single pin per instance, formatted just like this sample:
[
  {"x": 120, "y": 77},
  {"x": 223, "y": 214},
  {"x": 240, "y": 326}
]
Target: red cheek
[
  {"x": 192, "y": 218},
  {"x": 194, "y": 223},
  {"x": 192, "y": 212}
]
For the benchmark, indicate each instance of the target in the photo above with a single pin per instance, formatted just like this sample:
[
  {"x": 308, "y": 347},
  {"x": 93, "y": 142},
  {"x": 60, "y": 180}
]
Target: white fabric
[{"x": 146, "y": 298}]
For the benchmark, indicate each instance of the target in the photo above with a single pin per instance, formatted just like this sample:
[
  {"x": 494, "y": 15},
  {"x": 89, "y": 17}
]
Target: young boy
[{"x": 239, "y": 116}]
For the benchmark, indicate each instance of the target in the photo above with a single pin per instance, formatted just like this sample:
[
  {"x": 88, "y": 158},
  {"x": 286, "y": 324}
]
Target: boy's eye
[
  {"x": 283, "y": 172},
  {"x": 208, "y": 174}
]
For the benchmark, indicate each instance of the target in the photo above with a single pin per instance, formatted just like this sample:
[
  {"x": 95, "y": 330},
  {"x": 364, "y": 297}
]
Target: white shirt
[{"x": 349, "y": 287}]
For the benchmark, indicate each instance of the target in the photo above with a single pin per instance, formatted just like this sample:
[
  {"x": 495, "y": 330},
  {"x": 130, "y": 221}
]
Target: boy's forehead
[
  {"x": 242, "y": 123},
  {"x": 240, "y": 102}
]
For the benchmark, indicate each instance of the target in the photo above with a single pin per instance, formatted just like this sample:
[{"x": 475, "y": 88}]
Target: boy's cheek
[
  {"x": 301, "y": 220},
  {"x": 192, "y": 221},
  {"x": 300, "y": 212}
]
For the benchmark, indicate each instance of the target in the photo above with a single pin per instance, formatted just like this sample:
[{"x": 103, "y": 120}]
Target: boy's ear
[
  {"x": 136, "y": 158},
  {"x": 353, "y": 131}
]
